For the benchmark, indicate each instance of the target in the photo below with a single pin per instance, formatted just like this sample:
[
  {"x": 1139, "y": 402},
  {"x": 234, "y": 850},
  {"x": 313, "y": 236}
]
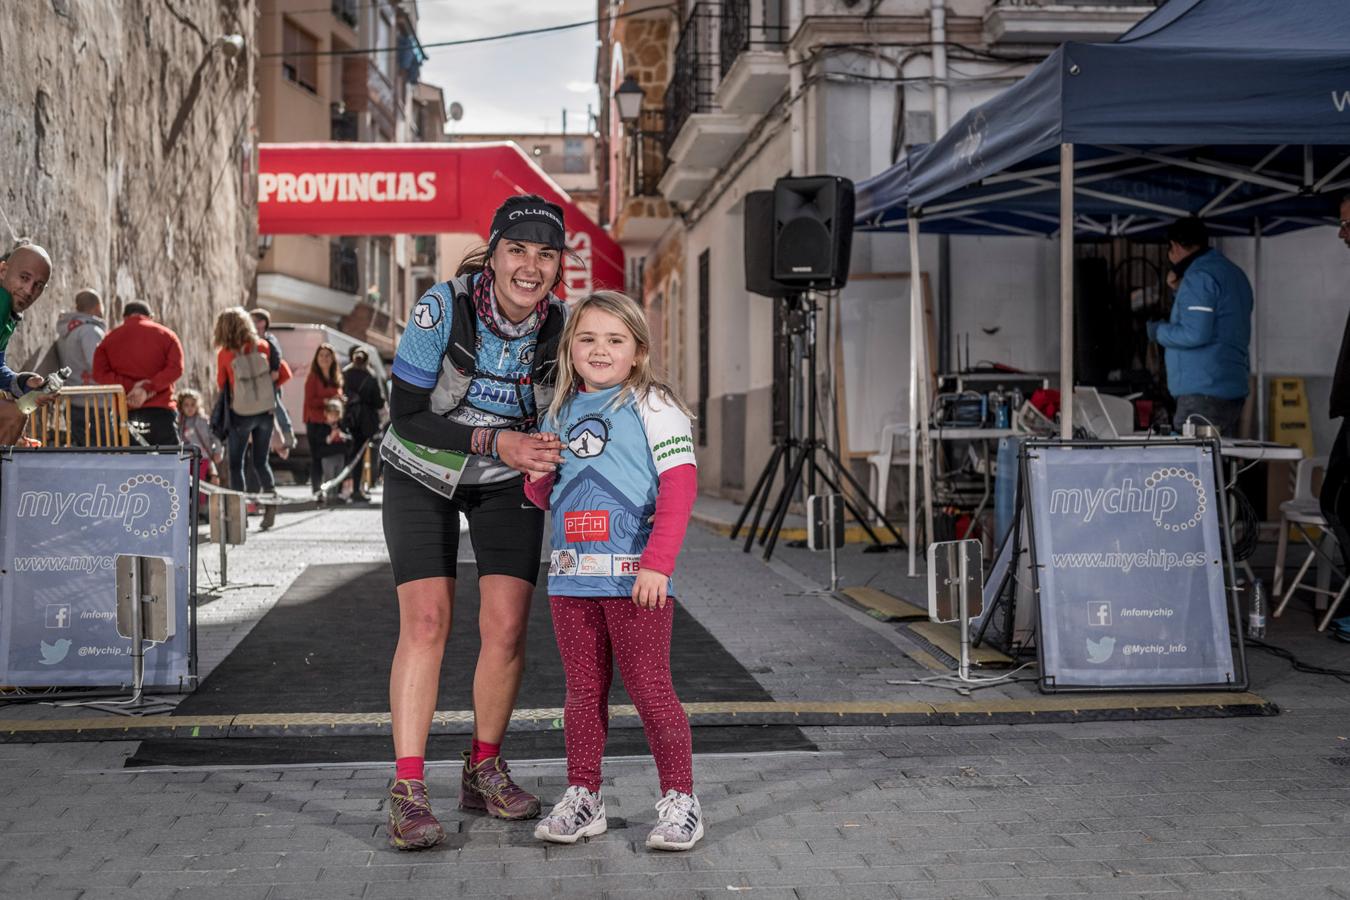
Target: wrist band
[{"x": 483, "y": 442}]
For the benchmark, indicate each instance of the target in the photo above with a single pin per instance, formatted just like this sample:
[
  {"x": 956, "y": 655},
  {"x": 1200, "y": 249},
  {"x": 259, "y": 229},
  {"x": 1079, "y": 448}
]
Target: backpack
[{"x": 253, "y": 393}]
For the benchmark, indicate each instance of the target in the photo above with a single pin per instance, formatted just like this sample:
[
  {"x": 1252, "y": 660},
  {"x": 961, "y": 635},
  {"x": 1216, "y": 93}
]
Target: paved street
[{"x": 1207, "y": 808}]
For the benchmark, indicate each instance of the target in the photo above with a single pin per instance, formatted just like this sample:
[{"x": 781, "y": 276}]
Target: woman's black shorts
[{"x": 422, "y": 528}]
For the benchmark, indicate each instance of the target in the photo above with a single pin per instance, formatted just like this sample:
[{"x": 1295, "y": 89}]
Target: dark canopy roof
[{"x": 1235, "y": 110}]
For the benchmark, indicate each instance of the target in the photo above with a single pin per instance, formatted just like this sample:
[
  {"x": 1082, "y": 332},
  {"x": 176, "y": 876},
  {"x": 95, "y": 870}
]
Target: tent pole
[
  {"x": 915, "y": 323},
  {"x": 1257, "y": 349},
  {"x": 1066, "y": 328}
]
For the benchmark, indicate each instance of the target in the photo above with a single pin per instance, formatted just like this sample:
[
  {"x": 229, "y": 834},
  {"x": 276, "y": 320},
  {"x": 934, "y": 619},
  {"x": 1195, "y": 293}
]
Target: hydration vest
[{"x": 459, "y": 365}]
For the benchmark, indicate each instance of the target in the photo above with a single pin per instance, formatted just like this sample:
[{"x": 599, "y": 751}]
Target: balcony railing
[
  {"x": 346, "y": 11},
  {"x": 694, "y": 79},
  {"x": 344, "y": 270},
  {"x": 647, "y": 161},
  {"x": 344, "y": 124},
  {"x": 739, "y": 34}
]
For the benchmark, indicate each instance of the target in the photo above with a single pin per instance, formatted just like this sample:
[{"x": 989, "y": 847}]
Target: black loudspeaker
[
  {"x": 759, "y": 246},
  {"x": 813, "y": 231}
]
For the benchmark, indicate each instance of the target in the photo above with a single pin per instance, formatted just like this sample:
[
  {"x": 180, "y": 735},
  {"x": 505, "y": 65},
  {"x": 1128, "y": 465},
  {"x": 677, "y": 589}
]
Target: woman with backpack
[{"x": 244, "y": 372}]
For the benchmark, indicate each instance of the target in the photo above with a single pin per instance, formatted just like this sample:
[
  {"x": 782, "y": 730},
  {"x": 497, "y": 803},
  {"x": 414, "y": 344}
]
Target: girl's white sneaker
[
  {"x": 680, "y": 825},
  {"x": 577, "y": 815}
]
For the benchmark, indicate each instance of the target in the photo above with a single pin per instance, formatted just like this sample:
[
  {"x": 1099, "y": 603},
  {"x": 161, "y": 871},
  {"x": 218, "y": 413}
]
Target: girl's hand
[{"x": 649, "y": 589}]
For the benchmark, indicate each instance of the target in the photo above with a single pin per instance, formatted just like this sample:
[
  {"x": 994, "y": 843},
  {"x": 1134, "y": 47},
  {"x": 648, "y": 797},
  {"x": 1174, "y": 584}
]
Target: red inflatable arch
[{"x": 346, "y": 188}]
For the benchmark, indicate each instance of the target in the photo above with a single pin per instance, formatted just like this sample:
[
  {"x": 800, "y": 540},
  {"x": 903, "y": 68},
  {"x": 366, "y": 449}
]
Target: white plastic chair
[
  {"x": 894, "y": 453},
  {"x": 1304, "y": 512}
]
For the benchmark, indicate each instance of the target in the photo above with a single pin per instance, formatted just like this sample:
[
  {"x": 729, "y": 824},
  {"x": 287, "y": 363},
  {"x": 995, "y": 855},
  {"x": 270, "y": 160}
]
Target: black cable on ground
[{"x": 1298, "y": 664}]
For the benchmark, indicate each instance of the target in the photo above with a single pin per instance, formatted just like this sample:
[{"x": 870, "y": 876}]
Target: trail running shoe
[
  {"x": 578, "y": 814},
  {"x": 487, "y": 787},
  {"x": 411, "y": 823},
  {"x": 681, "y": 824}
]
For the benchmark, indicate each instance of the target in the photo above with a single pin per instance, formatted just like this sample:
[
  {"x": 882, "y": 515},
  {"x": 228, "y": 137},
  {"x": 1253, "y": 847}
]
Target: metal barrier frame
[
  {"x": 1047, "y": 683},
  {"x": 187, "y": 453}
]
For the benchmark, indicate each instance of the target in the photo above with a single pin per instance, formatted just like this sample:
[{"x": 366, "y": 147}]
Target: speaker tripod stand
[{"x": 799, "y": 456}]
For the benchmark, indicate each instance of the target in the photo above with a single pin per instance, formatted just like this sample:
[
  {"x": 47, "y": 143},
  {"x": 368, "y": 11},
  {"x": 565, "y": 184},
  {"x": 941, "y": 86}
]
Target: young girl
[
  {"x": 195, "y": 431},
  {"x": 621, "y": 502}
]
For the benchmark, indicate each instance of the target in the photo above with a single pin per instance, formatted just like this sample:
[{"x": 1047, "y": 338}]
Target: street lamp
[
  {"x": 629, "y": 98},
  {"x": 231, "y": 45}
]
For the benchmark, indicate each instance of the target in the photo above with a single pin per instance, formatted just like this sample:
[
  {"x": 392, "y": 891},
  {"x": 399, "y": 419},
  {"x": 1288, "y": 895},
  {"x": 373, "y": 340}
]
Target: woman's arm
[{"x": 411, "y": 416}]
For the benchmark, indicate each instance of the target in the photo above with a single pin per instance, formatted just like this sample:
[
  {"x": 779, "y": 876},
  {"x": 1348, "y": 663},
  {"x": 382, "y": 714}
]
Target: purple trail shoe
[
  {"x": 411, "y": 823},
  {"x": 487, "y": 787}
]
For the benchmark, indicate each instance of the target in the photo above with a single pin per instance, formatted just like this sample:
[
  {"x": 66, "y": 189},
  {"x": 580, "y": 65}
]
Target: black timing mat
[{"x": 326, "y": 647}]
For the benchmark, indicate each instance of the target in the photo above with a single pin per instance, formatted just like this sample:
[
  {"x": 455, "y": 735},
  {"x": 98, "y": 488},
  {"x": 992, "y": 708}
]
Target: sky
[{"x": 519, "y": 85}]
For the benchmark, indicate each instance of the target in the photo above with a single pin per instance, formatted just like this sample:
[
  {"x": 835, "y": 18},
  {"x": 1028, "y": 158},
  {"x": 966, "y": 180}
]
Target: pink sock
[
  {"x": 481, "y": 750},
  {"x": 410, "y": 768}
]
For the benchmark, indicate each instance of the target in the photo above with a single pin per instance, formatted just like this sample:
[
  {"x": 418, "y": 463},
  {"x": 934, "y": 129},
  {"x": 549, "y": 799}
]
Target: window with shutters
[{"x": 298, "y": 62}]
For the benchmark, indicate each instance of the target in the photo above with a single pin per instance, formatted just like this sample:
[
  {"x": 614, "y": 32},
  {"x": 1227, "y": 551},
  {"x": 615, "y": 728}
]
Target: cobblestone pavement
[{"x": 1207, "y": 808}]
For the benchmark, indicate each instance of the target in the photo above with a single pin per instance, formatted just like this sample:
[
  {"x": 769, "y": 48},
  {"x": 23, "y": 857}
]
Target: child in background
[
  {"x": 621, "y": 502},
  {"x": 195, "y": 431},
  {"x": 334, "y": 454}
]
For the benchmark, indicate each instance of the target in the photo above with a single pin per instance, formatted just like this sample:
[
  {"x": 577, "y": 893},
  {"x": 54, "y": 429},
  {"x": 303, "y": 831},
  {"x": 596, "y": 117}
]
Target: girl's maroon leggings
[{"x": 593, "y": 633}]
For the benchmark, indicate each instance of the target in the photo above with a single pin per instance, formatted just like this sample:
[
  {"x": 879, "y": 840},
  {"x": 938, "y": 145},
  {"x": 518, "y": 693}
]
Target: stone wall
[{"x": 127, "y": 150}]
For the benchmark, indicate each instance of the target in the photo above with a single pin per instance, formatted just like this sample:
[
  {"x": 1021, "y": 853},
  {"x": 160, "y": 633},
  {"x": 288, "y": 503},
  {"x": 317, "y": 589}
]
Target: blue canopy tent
[{"x": 1237, "y": 111}]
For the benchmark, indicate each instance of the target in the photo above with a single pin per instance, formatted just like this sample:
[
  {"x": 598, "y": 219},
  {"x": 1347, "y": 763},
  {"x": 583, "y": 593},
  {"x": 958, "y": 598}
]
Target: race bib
[{"x": 438, "y": 470}]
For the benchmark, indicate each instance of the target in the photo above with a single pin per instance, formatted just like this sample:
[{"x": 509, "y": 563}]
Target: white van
[{"x": 299, "y": 341}]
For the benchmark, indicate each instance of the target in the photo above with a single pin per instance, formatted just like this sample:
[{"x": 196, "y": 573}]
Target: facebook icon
[
  {"x": 58, "y": 615},
  {"x": 1099, "y": 613}
]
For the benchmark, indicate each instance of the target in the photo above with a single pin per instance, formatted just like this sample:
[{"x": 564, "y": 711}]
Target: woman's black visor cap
[{"x": 536, "y": 221}]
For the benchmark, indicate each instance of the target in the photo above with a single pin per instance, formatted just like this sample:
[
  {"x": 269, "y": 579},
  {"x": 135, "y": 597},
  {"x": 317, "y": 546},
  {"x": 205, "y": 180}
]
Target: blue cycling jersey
[{"x": 500, "y": 393}]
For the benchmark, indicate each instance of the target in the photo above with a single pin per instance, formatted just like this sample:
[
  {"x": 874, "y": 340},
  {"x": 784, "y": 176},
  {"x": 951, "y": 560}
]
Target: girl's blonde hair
[
  {"x": 234, "y": 329},
  {"x": 189, "y": 394},
  {"x": 641, "y": 382}
]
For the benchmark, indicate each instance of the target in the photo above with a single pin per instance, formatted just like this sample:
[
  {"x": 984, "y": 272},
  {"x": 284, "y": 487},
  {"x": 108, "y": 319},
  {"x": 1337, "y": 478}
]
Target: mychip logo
[
  {"x": 146, "y": 505},
  {"x": 1172, "y": 496}
]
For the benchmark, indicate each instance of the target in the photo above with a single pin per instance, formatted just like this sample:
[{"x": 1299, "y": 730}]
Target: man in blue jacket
[{"x": 1205, "y": 341}]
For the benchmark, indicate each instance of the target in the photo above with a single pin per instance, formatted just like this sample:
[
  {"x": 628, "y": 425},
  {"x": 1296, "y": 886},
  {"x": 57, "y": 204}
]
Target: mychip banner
[
  {"x": 1129, "y": 562},
  {"x": 66, "y": 516}
]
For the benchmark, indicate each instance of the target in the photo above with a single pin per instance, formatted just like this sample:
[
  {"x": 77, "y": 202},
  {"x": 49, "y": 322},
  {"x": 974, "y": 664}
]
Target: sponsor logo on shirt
[
  {"x": 427, "y": 313},
  {"x": 594, "y": 564},
  {"x": 562, "y": 562},
  {"x": 587, "y": 438},
  {"x": 625, "y": 565},
  {"x": 586, "y": 525}
]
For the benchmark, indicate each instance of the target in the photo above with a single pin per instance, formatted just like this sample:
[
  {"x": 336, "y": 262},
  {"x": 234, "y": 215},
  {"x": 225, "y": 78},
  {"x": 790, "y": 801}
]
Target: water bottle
[
  {"x": 1002, "y": 417},
  {"x": 1256, "y": 615},
  {"x": 54, "y": 382}
]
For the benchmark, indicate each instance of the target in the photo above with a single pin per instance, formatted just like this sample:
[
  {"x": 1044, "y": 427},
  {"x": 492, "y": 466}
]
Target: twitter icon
[
  {"x": 54, "y": 652},
  {"x": 1099, "y": 651}
]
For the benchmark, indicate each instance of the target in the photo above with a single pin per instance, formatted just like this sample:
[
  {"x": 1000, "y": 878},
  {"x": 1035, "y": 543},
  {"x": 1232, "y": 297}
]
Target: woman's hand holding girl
[{"x": 533, "y": 454}]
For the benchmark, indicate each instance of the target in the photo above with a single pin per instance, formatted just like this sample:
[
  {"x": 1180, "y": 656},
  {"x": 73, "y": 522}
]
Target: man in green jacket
[{"x": 23, "y": 277}]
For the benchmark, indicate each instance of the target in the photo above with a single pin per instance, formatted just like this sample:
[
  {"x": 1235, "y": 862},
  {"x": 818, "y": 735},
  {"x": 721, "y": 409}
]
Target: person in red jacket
[
  {"x": 323, "y": 383},
  {"x": 146, "y": 359}
]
